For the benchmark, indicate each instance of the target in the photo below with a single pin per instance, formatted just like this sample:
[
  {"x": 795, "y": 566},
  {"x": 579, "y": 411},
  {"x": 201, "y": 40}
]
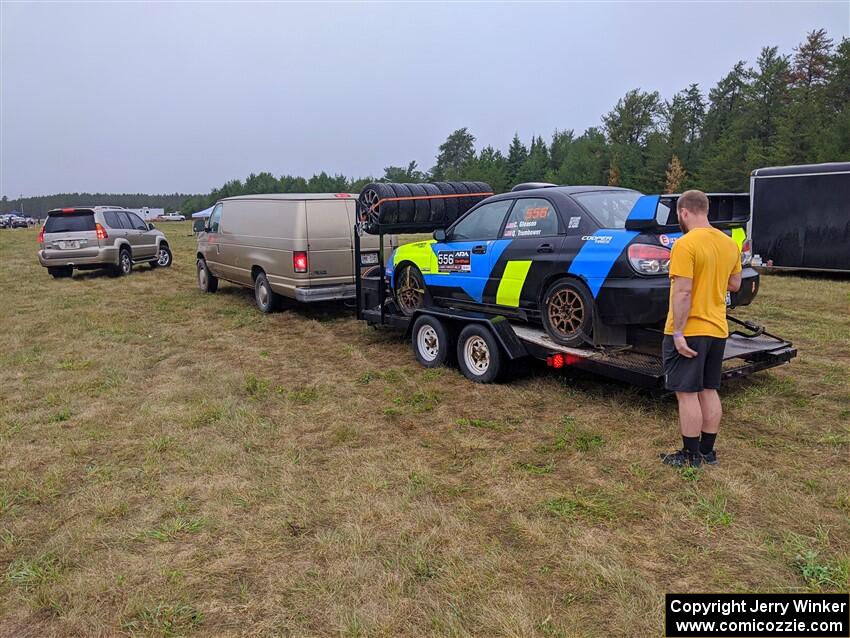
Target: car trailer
[{"x": 485, "y": 345}]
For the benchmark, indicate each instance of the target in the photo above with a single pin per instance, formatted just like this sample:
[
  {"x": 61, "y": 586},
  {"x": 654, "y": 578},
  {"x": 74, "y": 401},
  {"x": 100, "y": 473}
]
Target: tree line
[{"x": 38, "y": 206}]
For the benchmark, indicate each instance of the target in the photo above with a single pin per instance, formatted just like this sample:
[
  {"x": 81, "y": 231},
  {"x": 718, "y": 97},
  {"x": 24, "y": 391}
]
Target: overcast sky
[{"x": 143, "y": 97}]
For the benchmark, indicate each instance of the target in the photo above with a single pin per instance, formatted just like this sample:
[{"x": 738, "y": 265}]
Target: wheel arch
[{"x": 565, "y": 276}]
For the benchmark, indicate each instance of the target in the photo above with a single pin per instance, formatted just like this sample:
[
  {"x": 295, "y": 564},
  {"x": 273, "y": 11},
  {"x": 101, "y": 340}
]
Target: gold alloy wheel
[
  {"x": 410, "y": 292},
  {"x": 566, "y": 311}
]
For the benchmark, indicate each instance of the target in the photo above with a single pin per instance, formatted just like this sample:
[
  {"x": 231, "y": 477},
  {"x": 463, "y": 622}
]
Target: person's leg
[
  {"x": 690, "y": 419},
  {"x": 712, "y": 410}
]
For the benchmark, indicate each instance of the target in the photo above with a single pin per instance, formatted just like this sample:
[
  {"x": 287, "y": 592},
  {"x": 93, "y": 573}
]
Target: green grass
[{"x": 179, "y": 464}]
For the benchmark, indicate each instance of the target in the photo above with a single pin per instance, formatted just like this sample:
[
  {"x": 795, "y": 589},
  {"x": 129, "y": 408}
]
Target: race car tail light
[
  {"x": 41, "y": 235},
  {"x": 299, "y": 261},
  {"x": 746, "y": 253},
  {"x": 101, "y": 232},
  {"x": 649, "y": 259}
]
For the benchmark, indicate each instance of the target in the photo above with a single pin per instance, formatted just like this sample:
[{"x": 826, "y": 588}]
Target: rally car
[{"x": 585, "y": 261}]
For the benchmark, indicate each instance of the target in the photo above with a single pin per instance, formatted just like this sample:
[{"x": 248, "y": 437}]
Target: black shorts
[{"x": 693, "y": 375}]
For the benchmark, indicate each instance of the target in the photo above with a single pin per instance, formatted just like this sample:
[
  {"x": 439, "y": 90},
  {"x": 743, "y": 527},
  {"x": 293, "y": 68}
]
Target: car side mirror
[
  {"x": 440, "y": 234},
  {"x": 151, "y": 226}
]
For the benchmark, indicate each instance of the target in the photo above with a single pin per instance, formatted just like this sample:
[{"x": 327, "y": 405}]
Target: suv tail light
[
  {"x": 101, "y": 232},
  {"x": 299, "y": 261},
  {"x": 648, "y": 259},
  {"x": 41, "y": 235},
  {"x": 746, "y": 253}
]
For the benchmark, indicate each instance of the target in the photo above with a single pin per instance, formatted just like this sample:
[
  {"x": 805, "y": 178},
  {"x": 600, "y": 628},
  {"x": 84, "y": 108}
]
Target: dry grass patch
[{"x": 173, "y": 463}]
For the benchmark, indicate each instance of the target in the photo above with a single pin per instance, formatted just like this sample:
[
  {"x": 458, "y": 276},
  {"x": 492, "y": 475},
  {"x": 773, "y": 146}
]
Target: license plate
[
  {"x": 368, "y": 259},
  {"x": 64, "y": 245}
]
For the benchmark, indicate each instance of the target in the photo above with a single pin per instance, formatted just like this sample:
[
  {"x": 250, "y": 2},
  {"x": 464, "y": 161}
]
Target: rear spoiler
[{"x": 658, "y": 212}]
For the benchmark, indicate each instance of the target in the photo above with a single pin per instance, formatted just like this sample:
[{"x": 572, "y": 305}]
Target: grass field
[{"x": 175, "y": 463}]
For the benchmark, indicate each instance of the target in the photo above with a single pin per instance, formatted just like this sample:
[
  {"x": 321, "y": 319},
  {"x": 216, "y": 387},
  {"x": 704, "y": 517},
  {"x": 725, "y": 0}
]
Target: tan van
[{"x": 299, "y": 246}]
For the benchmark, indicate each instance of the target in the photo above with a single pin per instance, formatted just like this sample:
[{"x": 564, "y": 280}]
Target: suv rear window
[{"x": 69, "y": 222}]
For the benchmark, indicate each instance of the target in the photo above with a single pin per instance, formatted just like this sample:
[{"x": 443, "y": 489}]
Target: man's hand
[{"x": 683, "y": 348}]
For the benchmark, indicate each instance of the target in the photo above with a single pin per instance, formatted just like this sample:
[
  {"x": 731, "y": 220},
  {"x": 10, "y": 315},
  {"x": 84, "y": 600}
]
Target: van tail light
[
  {"x": 746, "y": 253},
  {"x": 649, "y": 259},
  {"x": 101, "y": 232},
  {"x": 41, "y": 235},
  {"x": 299, "y": 261}
]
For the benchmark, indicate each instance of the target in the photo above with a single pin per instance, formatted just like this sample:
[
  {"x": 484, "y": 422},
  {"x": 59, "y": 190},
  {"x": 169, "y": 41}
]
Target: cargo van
[{"x": 299, "y": 246}]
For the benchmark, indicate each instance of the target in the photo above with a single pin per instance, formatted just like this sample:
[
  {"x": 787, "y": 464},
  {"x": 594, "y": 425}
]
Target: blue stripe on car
[{"x": 598, "y": 254}]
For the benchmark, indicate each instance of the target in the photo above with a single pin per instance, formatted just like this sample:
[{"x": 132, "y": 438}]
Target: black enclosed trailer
[
  {"x": 485, "y": 345},
  {"x": 801, "y": 216}
]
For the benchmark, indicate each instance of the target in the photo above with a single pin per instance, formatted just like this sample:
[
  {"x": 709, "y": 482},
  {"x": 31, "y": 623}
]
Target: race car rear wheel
[
  {"x": 478, "y": 354},
  {"x": 568, "y": 313},
  {"x": 431, "y": 342},
  {"x": 410, "y": 290}
]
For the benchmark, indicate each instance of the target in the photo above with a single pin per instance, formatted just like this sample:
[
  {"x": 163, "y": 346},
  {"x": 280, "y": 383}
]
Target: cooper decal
[{"x": 597, "y": 239}]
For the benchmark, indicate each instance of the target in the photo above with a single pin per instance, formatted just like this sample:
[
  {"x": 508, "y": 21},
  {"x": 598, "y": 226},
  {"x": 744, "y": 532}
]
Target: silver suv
[{"x": 99, "y": 237}]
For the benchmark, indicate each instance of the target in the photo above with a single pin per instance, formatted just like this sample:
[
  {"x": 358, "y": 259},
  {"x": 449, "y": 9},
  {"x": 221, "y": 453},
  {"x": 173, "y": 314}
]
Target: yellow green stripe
[
  {"x": 739, "y": 235},
  {"x": 511, "y": 284}
]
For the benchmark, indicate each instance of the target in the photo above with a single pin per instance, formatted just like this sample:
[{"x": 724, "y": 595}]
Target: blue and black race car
[{"x": 588, "y": 262}]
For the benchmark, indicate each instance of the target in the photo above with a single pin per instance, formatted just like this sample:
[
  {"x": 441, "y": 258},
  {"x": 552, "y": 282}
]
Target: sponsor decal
[
  {"x": 454, "y": 261},
  {"x": 574, "y": 222},
  {"x": 666, "y": 240},
  {"x": 597, "y": 239}
]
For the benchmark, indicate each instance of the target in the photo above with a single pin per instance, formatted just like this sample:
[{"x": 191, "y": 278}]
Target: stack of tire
[{"x": 412, "y": 207}]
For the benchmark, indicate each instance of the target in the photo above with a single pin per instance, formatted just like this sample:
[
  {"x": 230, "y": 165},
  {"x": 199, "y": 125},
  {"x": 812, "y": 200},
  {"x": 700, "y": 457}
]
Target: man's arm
[
  {"x": 734, "y": 284},
  {"x": 681, "y": 292}
]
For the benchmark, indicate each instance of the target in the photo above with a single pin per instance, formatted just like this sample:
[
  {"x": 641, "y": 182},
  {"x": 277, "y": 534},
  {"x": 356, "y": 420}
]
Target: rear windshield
[
  {"x": 69, "y": 223},
  {"x": 610, "y": 208}
]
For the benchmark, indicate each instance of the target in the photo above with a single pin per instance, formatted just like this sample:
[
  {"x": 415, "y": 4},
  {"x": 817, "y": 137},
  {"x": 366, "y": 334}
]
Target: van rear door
[{"x": 329, "y": 242}]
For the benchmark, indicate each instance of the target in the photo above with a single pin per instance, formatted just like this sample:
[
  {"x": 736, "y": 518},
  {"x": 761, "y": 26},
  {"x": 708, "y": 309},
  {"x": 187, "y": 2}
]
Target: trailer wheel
[
  {"x": 568, "y": 313},
  {"x": 431, "y": 342},
  {"x": 478, "y": 354}
]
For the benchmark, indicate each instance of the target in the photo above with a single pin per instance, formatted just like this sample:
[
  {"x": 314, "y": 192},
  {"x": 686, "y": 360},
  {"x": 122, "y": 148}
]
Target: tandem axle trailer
[{"x": 484, "y": 345}]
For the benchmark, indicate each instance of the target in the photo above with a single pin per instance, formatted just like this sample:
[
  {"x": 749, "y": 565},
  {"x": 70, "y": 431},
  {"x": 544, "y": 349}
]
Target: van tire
[
  {"x": 265, "y": 297},
  {"x": 479, "y": 356},
  {"x": 431, "y": 342},
  {"x": 125, "y": 263},
  {"x": 207, "y": 282}
]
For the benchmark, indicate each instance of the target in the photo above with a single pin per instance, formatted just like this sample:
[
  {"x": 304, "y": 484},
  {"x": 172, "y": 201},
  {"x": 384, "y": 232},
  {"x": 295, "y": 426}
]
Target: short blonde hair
[{"x": 694, "y": 200}]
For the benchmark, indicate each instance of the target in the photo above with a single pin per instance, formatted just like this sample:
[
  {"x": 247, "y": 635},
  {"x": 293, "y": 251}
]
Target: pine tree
[
  {"x": 517, "y": 156},
  {"x": 675, "y": 176},
  {"x": 455, "y": 152}
]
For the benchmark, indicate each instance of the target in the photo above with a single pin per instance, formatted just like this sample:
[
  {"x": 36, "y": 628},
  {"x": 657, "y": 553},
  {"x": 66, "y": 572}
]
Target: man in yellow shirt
[{"x": 705, "y": 263}]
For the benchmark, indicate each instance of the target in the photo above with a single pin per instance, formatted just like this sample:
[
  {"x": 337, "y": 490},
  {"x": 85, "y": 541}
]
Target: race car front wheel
[
  {"x": 410, "y": 290},
  {"x": 568, "y": 313}
]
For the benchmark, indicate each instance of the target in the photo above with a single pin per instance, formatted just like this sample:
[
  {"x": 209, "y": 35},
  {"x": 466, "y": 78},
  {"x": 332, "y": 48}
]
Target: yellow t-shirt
[{"x": 708, "y": 257}]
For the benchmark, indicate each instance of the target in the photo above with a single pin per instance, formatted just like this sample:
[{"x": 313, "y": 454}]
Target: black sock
[
  {"x": 691, "y": 444},
  {"x": 706, "y": 445}
]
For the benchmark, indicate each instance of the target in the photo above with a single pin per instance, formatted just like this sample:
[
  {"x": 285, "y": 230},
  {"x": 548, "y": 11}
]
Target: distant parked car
[
  {"x": 99, "y": 237},
  {"x": 172, "y": 217},
  {"x": 19, "y": 222}
]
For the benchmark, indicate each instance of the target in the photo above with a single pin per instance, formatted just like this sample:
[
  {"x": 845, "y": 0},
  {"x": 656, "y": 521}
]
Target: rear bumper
[
  {"x": 646, "y": 301},
  {"x": 87, "y": 257},
  {"x": 325, "y": 293}
]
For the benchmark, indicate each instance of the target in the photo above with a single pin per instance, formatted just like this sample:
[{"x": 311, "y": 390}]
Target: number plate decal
[{"x": 454, "y": 261}]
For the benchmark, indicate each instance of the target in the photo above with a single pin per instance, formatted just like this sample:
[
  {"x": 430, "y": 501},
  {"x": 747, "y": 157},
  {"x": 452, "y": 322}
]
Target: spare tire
[
  {"x": 406, "y": 207},
  {"x": 436, "y": 207},
  {"x": 421, "y": 209},
  {"x": 451, "y": 202},
  {"x": 463, "y": 203},
  {"x": 370, "y": 210}
]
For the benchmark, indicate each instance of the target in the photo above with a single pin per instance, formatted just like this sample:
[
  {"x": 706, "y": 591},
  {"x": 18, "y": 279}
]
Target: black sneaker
[
  {"x": 682, "y": 458},
  {"x": 710, "y": 458}
]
